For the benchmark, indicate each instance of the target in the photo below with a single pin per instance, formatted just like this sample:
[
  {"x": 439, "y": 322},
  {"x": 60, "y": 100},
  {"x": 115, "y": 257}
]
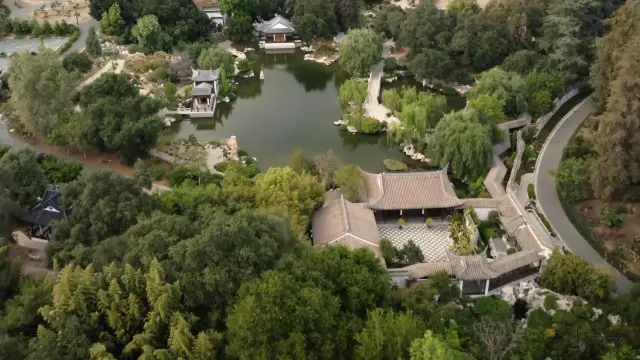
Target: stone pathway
[
  {"x": 433, "y": 241},
  {"x": 372, "y": 107}
]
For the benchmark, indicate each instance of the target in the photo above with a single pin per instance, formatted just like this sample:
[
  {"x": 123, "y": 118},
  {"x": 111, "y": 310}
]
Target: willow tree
[
  {"x": 463, "y": 143},
  {"x": 352, "y": 92}
]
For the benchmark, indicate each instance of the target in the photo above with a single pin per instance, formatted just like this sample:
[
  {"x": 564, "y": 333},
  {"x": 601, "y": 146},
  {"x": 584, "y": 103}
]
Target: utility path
[{"x": 547, "y": 195}]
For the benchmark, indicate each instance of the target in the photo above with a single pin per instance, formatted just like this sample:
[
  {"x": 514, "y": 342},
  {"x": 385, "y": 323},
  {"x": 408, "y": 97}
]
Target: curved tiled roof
[
  {"x": 411, "y": 190},
  {"x": 471, "y": 267},
  {"x": 342, "y": 221}
]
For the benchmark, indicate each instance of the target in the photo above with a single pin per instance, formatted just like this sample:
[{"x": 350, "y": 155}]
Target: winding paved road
[{"x": 547, "y": 195}]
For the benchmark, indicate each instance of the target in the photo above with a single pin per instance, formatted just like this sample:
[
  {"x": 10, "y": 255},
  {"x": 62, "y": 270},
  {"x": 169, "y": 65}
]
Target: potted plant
[
  {"x": 429, "y": 222},
  {"x": 401, "y": 223}
]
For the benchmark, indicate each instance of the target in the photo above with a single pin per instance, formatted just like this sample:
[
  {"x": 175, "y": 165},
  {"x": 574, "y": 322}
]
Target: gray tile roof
[
  {"x": 412, "y": 190},
  {"x": 203, "y": 89},
  {"x": 277, "y": 25},
  {"x": 205, "y": 75},
  {"x": 350, "y": 223},
  {"x": 505, "y": 264}
]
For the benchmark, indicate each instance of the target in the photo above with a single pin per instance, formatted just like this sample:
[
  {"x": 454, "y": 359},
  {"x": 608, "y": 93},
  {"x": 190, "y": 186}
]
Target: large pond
[{"x": 294, "y": 106}]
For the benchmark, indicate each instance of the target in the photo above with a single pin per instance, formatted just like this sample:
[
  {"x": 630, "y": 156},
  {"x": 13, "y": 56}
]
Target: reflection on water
[{"x": 295, "y": 106}]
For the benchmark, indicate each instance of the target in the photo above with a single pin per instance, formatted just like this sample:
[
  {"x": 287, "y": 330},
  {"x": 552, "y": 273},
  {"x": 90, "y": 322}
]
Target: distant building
[
  {"x": 277, "y": 33},
  {"x": 215, "y": 15},
  {"x": 40, "y": 216},
  {"x": 204, "y": 93}
]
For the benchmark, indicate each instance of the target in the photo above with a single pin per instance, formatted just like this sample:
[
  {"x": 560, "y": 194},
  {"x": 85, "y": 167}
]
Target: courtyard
[{"x": 433, "y": 241}]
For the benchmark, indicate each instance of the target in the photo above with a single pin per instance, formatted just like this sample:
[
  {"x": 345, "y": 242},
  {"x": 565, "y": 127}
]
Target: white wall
[{"x": 483, "y": 213}]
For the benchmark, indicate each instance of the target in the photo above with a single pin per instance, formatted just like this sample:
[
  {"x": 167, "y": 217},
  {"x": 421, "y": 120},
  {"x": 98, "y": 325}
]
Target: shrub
[
  {"x": 244, "y": 65},
  {"x": 488, "y": 233},
  {"x": 156, "y": 172},
  {"x": 77, "y": 62},
  {"x": 390, "y": 64},
  {"x": 395, "y": 165},
  {"x": 60, "y": 171},
  {"x": 511, "y": 251},
  {"x": 464, "y": 78},
  {"x": 224, "y": 166},
  {"x": 371, "y": 126},
  {"x": 531, "y": 191},
  {"x": 135, "y": 48},
  {"x": 550, "y": 302},
  {"x": 401, "y": 222},
  {"x": 148, "y": 63},
  {"x": 611, "y": 218},
  {"x": 325, "y": 49}
]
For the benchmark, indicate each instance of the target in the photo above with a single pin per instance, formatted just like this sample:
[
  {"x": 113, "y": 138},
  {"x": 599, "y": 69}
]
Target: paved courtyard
[{"x": 432, "y": 241}]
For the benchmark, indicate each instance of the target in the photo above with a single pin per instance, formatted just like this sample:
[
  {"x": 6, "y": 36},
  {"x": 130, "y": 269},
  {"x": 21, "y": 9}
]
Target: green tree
[
  {"x": 392, "y": 100},
  {"x": 111, "y": 22},
  {"x": 238, "y": 7},
  {"x": 217, "y": 57},
  {"x": 28, "y": 181},
  {"x": 540, "y": 104},
  {"x": 387, "y": 335},
  {"x": 463, "y": 144},
  {"x": 36, "y": 77},
  {"x": 240, "y": 28},
  {"x": 606, "y": 65},
  {"x": 314, "y": 18},
  {"x": 614, "y": 170},
  {"x": 572, "y": 179},
  {"x": 93, "y": 43},
  {"x": 301, "y": 163},
  {"x": 352, "y": 92},
  {"x": 489, "y": 108},
  {"x": 438, "y": 347},
  {"x": 570, "y": 274},
  {"x": 326, "y": 166},
  {"x": 104, "y": 204},
  {"x": 76, "y": 61},
  {"x": 504, "y": 86},
  {"x": 296, "y": 195},
  {"x": 149, "y": 33},
  {"x": 359, "y": 51},
  {"x": 350, "y": 180},
  {"x": 291, "y": 320},
  {"x": 462, "y": 6},
  {"x": 60, "y": 171},
  {"x": 432, "y": 64},
  {"x": 522, "y": 61}
]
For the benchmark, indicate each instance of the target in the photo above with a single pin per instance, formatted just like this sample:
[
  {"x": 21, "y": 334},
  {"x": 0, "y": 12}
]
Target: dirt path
[{"x": 112, "y": 66}]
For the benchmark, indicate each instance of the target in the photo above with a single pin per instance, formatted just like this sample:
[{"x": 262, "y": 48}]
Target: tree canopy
[
  {"x": 41, "y": 91},
  {"x": 359, "y": 51},
  {"x": 463, "y": 143}
]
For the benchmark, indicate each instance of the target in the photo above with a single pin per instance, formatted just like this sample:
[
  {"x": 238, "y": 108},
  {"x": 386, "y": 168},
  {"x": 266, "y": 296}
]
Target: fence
[{"x": 569, "y": 93}]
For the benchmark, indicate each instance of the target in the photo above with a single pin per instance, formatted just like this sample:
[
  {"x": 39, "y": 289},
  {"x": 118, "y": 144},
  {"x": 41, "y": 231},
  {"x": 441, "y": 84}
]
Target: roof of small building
[
  {"x": 411, "y": 190},
  {"x": 205, "y": 75},
  {"x": 343, "y": 222},
  {"x": 48, "y": 209},
  {"x": 277, "y": 25},
  {"x": 202, "y": 89},
  {"x": 505, "y": 264}
]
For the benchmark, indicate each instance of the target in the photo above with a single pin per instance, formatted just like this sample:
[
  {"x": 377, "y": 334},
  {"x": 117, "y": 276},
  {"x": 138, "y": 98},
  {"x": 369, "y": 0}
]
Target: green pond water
[{"x": 294, "y": 106}]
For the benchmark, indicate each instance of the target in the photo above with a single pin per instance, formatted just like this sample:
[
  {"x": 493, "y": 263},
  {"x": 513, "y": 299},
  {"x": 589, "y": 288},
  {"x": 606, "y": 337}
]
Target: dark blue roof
[{"x": 47, "y": 210}]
